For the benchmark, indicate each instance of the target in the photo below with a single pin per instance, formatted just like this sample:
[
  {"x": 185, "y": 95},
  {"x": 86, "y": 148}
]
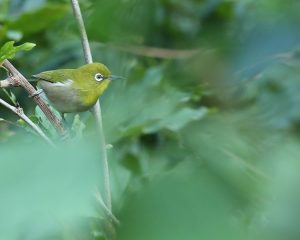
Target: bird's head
[
  {"x": 95, "y": 72},
  {"x": 95, "y": 78}
]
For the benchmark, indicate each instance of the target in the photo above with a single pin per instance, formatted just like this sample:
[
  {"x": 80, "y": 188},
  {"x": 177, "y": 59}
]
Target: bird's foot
[{"x": 36, "y": 93}]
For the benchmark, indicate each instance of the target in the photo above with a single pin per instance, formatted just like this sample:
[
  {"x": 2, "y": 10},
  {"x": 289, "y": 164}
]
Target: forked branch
[{"x": 17, "y": 79}]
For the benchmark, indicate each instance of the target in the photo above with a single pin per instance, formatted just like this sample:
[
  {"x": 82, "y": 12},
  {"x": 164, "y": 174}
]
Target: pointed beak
[{"x": 115, "y": 77}]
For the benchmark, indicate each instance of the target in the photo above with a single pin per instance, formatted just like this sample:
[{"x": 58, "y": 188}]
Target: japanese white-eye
[{"x": 75, "y": 90}]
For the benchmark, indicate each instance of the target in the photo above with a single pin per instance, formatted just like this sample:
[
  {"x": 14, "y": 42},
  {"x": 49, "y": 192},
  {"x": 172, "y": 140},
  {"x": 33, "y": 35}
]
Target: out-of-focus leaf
[
  {"x": 277, "y": 84},
  {"x": 17, "y": 7},
  {"x": 3, "y": 31},
  {"x": 5, "y": 132},
  {"x": 34, "y": 119},
  {"x": 150, "y": 107},
  {"x": 57, "y": 186},
  {"x": 14, "y": 35},
  {"x": 6, "y": 135},
  {"x": 186, "y": 203},
  {"x": 232, "y": 149},
  {"x": 21, "y": 123},
  {"x": 3, "y": 10},
  {"x": 279, "y": 212},
  {"x": 132, "y": 163},
  {"x": 44, "y": 120},
  {"x": 177, "y": 120},
  {"x": 77, "y": 127},
  {"x": 39, "y": 19},
  {"x": 124, "y": 15}
]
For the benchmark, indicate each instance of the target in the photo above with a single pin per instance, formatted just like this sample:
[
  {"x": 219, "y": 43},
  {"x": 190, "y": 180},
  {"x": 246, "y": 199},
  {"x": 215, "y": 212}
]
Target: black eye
[{"x": 99, "y": 77}]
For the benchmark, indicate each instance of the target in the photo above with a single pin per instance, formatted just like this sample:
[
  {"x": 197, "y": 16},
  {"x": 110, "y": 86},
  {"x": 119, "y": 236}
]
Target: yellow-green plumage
[{"x": 74, "y": 90}]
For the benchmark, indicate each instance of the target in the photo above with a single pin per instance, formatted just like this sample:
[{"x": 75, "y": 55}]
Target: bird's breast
[{"x": 64, "y": 96}]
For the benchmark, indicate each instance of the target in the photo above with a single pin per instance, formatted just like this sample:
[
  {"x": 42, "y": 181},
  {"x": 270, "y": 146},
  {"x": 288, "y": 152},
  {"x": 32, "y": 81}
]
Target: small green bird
[{"x": 75, "y": 90}]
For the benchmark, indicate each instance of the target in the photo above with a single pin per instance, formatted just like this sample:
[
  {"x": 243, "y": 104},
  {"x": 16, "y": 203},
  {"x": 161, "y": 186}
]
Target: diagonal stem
[
  {"x": 17, "y": 79},
  {"x": 19, "y": 112}
]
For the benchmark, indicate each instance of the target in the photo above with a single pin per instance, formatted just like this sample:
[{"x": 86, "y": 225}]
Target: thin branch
[
  {"x": 84, "y": 39},
  {"x": 19, "y": 112},
  {"x": 96, "y": 110},
  {"x": 108, "y": 212},
  {"x": 17, "y": 79}
]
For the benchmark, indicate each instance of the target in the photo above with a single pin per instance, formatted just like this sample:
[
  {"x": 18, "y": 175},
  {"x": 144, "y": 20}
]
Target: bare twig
[
  {"x": 19, "y": 112},
  {"x": 17, "y": 79},
  {"x": 96, "y": 110}
]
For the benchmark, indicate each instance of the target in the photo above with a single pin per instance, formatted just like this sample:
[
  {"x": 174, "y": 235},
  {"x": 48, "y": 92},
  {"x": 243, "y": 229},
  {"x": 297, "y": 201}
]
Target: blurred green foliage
[{"x": 205, "y": 146}]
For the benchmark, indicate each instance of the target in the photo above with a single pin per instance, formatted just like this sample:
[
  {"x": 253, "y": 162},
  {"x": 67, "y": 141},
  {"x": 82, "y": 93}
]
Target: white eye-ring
[{"x": 99, "y": 77}]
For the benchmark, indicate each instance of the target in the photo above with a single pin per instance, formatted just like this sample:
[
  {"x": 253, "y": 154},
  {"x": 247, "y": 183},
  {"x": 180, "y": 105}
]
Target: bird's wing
[{"x": 55, "y": 75}]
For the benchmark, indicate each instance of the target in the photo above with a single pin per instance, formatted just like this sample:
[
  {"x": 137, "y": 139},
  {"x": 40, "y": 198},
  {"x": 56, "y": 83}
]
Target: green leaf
[
  {"x": 22, "y": 123},
  {"x": 25, "y": 46},
  {"x": 11, "y": 96},
  {"x": 132, "y": 163},
  {"x": 159, "y": 107},
  {"x": 44, "y": 120},
  {"x": 177, "y": 120},
  {"x": 51, "y": 194},
  {"x": 8, "y": 50},
  {"x": 34, "y": 119},
  {"x": 40, "y": 19},
  {"x": 188, "y": 200}
]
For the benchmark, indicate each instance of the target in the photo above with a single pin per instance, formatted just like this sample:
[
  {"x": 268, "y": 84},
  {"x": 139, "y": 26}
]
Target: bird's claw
[{"x": 36, "y": 93}]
